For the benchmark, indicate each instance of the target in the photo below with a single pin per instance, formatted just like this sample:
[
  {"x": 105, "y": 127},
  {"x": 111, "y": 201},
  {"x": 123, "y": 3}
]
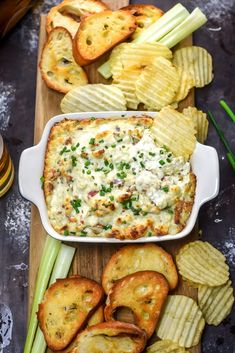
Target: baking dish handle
[
  {"x": 207, "y": 167},
  {"x": 30, "y": 165}
]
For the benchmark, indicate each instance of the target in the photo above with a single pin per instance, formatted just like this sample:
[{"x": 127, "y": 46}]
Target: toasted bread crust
[
  {"x": 90, "y": 42},
  {"x": 96, "y": 318},
  {"x": 144, "y": 293},
  {"x": 133, "y": 258},
  {"x": 145, "y": 16},
  {"x": 66, "y": 307},
  {"x": 110, "y": 337},
  {"x": 69, "y": 13},
  {"x": 55, "y": 74}
]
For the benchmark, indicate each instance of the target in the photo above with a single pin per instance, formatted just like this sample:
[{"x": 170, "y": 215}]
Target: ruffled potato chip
[
  {"x": 216, "y": 302},
  {"x": 94, "y": 97},
  {"x": 157, "y": 84},
  {"x": 133, "y": 56},
  {"x": 201, "y": 263},
  {"x": 186, "y": 83},
  {"x": 176, "y": 131},
  {"x": 165, "y": 346},
  {"x": 126, "y": 83},
  {"x": 181, "y": 321},
  {"x": 200, "y": 122},
  {"x": 197, "y": 61}
]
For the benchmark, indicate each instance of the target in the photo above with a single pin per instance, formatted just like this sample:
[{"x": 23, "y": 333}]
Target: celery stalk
[
  {"x": 104, "y": 70},
  {"x": 156, "y": 31},
  {"x": 164, "y": 25},
  {"x": 195, "y": 20},
  {"x": 50, "y": 252},
  {"x": 61, "y": 270}
]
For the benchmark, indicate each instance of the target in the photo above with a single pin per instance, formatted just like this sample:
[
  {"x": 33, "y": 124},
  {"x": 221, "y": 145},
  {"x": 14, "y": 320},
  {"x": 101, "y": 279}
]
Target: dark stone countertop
[{"x": 18, "y": 62}]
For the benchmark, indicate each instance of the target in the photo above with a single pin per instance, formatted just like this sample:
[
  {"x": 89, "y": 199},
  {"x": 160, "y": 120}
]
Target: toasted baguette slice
[
  {"x": 96, "y": 318},
  {"x": 68, "y": 14},
  {"x": 145, "y": 16},
  {"x": 58, "y": 68},
  {"x": 66, "y": 306},
  {"x": 101, "y": 32},
  {"x": 144, "y": 293},
  {"x": 111, "y": 337},
  {"x": 134, "y": 258}
]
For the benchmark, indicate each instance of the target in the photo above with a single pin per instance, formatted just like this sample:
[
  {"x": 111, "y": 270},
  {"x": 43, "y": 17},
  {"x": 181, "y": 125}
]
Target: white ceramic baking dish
[{"x": 205, "y": 166}]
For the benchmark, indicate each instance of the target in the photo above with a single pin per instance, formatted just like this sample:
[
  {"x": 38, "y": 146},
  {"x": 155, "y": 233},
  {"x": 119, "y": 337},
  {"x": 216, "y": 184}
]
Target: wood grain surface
[{"x": 90, "y": 258}]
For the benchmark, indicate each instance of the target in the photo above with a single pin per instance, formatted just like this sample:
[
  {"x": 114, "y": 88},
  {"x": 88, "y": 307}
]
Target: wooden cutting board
[{"x": 90, "y": 258}]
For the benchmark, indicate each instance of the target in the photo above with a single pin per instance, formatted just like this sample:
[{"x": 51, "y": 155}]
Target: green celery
[
  {"x": 164, "y": 25},
  {"x": 50, "y": 252},
  {"x": 194, "y": 21},
  {"x": 61, "y": 270}
]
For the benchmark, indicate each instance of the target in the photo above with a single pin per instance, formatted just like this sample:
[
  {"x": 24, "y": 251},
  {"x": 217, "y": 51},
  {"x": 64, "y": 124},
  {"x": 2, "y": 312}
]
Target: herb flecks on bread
[
  {"x": 58, "y": 67},
  {"x": 144, "y": 293},
  {"x": 100, "y": 32},
  {"x": 66, "y": 307}
]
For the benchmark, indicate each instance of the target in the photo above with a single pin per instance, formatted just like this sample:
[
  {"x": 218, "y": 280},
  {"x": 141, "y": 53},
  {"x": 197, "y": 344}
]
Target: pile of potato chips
[
  {"x": 147, "y": 73},
  {"x": 183, "y": 319}
]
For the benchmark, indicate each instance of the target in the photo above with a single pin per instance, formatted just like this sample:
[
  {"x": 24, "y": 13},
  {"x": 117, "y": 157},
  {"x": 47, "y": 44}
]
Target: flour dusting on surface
[
  {"x": 19, "y": 267},
  {"x": 218, "y": 10},
  {"x": 7, "y": 96},
  {"x": 228, "y": 247},
  {"x": 223, "y": 200},
  {"x": 18, "y": 220},
  {"x": 6, "y": 324}
]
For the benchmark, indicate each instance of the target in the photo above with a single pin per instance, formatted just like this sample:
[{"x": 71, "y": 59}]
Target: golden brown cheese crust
[
  {"x": 93, "y": 186},
  {"x": 111, "y": 337},
  {"x": 144, "y": 293},
  {"x": 135, "y": 258},
  {"x": 66, "y": 306}
]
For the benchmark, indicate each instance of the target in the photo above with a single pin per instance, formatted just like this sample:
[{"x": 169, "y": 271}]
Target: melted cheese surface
[{"x": 110, "y": 178}]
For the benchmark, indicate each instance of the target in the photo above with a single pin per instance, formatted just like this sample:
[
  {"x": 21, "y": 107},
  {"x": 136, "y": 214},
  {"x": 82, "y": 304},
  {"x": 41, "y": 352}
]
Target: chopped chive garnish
[
  {"x": 76, "y": 203},
  {"x": 107, "y": 226},
  {"x": 106, "y": 163},
  {"x": 168, "y": 160},
  {"x": 92, "y": 118},
  {"x": 83, "y": 233},
  {"x": 165, "y": 188},
  {"x": 161, "y": 162},
  {"x": 134, "y": 159},
  {"x": 87, "y": 163},
  {"x": 121, "y": 175},
  {"x": 64, "y": 150},
  {"x": 66, "y": 232},
  {"x": 73, "y": 148},
  {"x": 152, "y": 154},
  {"x": 88, "y": 172},
  {"x": 113, "y": 145},
  {"x": 92, "y": 141},
  {"x": 78, "y": 144},
  {"x": 142, "y": 164},
  {"x": 100, "y": 141},
  {"x": 149, "y": 234},
  {"x": 111, "y": 198},
  {"x": 42, "y": 180},
  {"x": 74, "y": 161},
  {"x": 120, "y": 140}
]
